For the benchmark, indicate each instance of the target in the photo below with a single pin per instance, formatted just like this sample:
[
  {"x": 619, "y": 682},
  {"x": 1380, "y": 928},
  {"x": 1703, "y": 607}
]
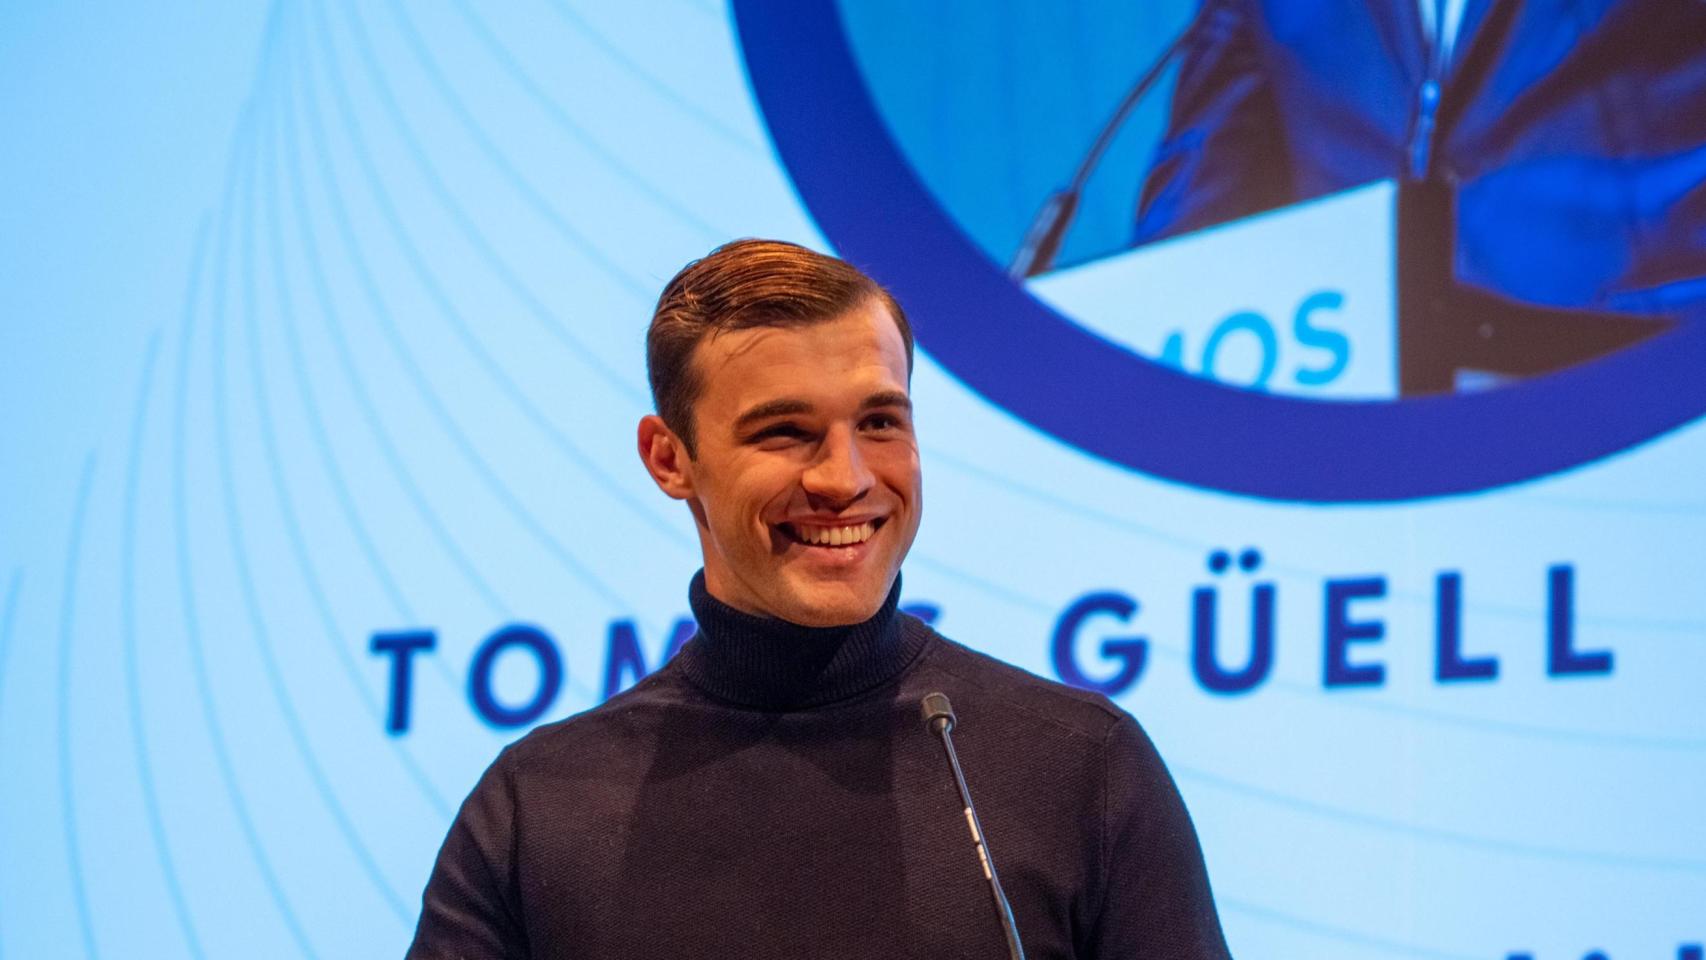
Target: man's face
[{"x": 806, "y": 484}]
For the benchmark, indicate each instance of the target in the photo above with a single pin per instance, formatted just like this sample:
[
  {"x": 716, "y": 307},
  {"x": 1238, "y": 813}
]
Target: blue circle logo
[{"x": 1040, "y": 366}]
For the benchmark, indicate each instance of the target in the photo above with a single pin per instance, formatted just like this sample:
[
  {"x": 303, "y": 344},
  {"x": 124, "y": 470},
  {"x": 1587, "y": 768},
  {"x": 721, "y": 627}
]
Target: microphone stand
[
  {"x": 1048, "y": 228},
  {"x": 939, "y": 720}
]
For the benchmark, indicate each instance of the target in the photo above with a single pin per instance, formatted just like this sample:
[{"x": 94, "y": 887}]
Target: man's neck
[{"x": 771, "y": 664}]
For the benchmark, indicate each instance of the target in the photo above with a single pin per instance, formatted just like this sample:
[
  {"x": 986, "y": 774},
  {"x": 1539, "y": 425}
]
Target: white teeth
[{"x": 836, "y": 536}]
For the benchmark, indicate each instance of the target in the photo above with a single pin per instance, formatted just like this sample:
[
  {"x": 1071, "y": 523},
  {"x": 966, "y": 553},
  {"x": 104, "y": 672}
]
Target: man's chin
[{"x": 834, "y": 604}]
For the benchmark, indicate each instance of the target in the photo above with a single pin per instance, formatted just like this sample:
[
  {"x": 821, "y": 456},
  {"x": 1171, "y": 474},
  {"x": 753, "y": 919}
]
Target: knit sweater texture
[{"x": 771, "y": 792}]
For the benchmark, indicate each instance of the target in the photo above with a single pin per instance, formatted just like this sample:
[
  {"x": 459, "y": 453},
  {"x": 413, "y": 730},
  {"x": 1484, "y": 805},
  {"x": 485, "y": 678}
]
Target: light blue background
[{"x": 318, "y": 321}]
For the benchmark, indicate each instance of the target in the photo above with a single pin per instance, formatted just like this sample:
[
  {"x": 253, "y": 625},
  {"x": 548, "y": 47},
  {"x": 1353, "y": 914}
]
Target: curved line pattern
[
  {"x": 470, "y": 229},
  {"x": 1326, "y": 811},
  {"x": 658, "y": 87},
  {"x": 323, "y": 448},
  {"x": 352, "y": 517},
  {"x": 476, "y": 349},
  {"x": 13, "y": 587},
  {"x": 1061, "y": 503},
  {"x": 286, "y": 503},
  {"x": 8, "y": 618},
  {"x": 1568, "y": 502},
  {"x": 633, "y": 284},
  {"x": 242, "y": 148},
  {"x": 14, "y": 591},
  {"x": 127, "y": 629},
  {"x": 1529, "y": 850},
  {"x": 554, "y": 110},
  {"x": 1692, "y": 628},
  {"x": 234, "y": 527},
  {"x": 1340, "y": 934},
  {"x": 1017, "y": 598},
  {"x": 67, "y": 795},
  {"x": 310, "y": 248},
  {"x": 399, "y": 347},
  {"x": 333, "y": 323},
  {"x": 1178, "y": 652}
]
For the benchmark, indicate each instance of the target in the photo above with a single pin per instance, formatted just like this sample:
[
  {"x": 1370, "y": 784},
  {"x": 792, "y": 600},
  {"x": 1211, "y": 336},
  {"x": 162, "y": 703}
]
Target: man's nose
[{"x": 839, "y": 474}]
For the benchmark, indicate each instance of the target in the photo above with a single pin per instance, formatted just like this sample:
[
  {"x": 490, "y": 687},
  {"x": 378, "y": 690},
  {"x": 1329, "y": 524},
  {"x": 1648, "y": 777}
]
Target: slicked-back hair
[{"x": 738, "y": 286}]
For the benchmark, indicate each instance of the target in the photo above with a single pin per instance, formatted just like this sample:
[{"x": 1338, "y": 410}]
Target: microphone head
[{"x": 938, "y": 713}]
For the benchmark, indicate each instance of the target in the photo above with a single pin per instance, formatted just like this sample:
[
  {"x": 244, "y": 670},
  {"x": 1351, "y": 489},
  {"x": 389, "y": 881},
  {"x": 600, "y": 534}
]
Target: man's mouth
[{"x": 831, "y": 535}]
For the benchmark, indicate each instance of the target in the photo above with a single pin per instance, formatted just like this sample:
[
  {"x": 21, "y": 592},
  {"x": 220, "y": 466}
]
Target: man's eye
[
  {"x": 882, "y": 421},
  {"x": 785, "y": 431}
]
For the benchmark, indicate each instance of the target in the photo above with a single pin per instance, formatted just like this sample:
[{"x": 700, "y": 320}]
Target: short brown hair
[{"x": 739, "y": 285}]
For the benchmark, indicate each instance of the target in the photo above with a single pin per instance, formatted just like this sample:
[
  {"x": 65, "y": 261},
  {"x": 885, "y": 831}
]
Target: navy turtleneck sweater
[{"x": 771, "y": 793}]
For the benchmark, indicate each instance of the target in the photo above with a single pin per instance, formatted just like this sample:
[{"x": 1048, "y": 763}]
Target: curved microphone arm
[
  {"x": 1048, "y": 229},
  {"x": 939, "y": 720}
]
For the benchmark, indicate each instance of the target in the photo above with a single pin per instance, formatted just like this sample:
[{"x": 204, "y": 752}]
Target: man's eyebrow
[
  {"x": 771, "y": 408},
  {"x": 887, "y": 398},
  {"x": 788, "y": 406}
]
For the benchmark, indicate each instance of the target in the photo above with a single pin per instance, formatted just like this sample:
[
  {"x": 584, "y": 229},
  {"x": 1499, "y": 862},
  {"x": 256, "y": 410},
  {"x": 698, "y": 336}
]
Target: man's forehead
[{"x": 762, "y": 356}]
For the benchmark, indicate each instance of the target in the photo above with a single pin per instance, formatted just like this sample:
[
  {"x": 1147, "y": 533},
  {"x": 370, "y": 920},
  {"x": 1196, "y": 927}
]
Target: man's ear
[{"x": 665, "y": 457}]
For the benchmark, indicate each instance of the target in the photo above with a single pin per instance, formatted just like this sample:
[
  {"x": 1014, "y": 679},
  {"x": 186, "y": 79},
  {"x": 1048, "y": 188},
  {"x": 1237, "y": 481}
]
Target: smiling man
[
  {"x": 771, "y": 792},
  {"x": 792, "y": 438}
]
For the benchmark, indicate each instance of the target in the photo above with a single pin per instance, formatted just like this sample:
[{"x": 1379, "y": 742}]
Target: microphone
[
  {"x": 939, "y": 720},
  {"x": 1048, "y": 228}
]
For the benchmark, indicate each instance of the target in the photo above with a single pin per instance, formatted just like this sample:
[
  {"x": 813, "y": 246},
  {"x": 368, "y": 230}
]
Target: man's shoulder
[
  {"x": 1079, "y": 713},
  {"x": 605, "y": 731}
]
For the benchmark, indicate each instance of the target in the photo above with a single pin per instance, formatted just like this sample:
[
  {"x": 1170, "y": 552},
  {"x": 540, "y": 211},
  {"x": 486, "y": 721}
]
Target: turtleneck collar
[{"x": 771, "y": 664}]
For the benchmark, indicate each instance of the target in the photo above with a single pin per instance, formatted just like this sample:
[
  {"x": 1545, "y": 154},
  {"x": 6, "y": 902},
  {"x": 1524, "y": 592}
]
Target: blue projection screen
[{"x": 321, "y": 354}]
